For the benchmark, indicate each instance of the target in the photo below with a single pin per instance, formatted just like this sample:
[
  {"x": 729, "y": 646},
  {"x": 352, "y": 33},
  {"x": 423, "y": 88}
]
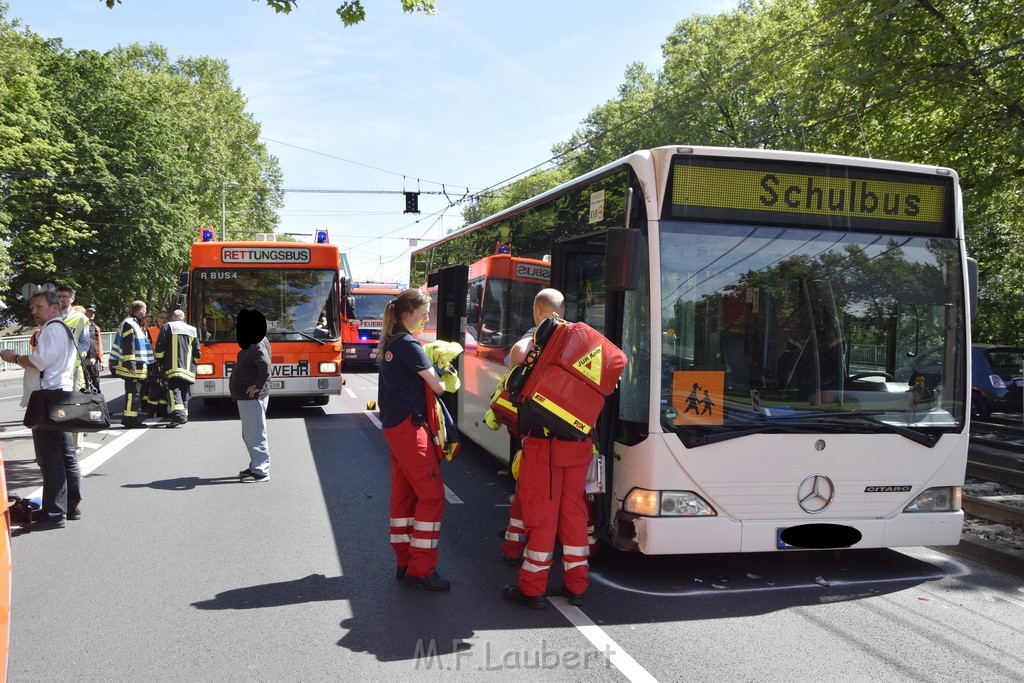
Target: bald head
[
  {"x": 548, "y": 302},
  {"x": 178, "y": 315}
]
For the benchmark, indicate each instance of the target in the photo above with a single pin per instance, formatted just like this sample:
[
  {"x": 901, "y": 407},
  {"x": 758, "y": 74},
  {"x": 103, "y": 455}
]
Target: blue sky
[{"x": 466, "y": 98}]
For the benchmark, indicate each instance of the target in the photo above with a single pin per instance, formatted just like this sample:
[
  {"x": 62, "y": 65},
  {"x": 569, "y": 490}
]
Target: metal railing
[{"x": 21, "y": 346}]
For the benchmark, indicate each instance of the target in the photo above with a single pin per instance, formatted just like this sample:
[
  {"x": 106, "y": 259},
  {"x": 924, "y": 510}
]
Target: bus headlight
[
  {"x": 328, "y": 368},
  {"x": 667, "y": 503},
  {"x": 204, "y": 369},
  {"x": 939, "y": 499}
]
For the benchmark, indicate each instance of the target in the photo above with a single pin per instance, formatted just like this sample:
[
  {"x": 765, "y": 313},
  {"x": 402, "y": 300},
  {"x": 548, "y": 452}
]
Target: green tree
[
  {"x": 350, "y": 12},
  {"x": 111, "y": 163},
  {"x": 935, "y": 82}
]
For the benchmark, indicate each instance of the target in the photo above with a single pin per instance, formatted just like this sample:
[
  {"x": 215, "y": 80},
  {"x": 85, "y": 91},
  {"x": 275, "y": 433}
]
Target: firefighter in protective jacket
[
  {"x": 130, "y": 357},
  {"x": 177, "y": 350}
]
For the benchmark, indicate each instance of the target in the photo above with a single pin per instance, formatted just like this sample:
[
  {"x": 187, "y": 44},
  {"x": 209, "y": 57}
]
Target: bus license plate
[{"x": 277, "y": 384}]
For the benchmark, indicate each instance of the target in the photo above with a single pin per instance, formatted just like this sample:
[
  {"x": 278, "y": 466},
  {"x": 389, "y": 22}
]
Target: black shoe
[
  {"x": 513, "y": 594},
  {"x": 430, "y": 583},
  {"x": 245, "y": 473},
  {"x": 132, "y": 424},
  {"x": 172, "y": 425},
  {"x": 511, "y": 561},
  {"x": 75, "y": 513},
  {"x": 399, "y": 572},
  {"x": 44, "y": 524},
  {"x": 253, "y": 477},
  {"x": 575, "y": 599}
]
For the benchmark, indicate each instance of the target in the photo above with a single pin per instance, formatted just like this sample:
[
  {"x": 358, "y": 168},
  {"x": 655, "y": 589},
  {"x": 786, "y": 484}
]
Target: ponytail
[{"x": 406, "y": 302}]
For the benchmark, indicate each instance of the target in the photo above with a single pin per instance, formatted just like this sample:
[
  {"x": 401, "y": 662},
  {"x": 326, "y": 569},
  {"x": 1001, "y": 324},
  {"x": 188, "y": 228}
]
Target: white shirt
[{"x": 55, "y": 356}]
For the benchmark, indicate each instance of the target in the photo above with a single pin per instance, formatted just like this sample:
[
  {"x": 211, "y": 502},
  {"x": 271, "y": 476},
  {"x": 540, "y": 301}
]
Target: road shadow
[
  {"x": 312, "y": 588},
  {"x": 183, "y": 483}
]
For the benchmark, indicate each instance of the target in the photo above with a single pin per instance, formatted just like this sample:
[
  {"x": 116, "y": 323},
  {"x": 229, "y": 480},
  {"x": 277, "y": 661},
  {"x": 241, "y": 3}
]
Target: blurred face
[
  {"x": 161, "y": 319},
  {"x": 43, "y": 311},
  {"x": 417, "y": 319},
  {"x": 66, "y": 299},
  {"x": 90, "y": 314}
]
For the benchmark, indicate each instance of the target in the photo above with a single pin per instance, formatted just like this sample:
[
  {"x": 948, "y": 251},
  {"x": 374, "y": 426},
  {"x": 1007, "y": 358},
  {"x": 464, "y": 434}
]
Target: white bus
[{"x": 745, "y": 287}]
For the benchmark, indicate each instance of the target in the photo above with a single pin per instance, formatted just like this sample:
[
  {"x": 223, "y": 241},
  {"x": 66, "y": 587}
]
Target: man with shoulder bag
[{"x": 54, "y": 358}]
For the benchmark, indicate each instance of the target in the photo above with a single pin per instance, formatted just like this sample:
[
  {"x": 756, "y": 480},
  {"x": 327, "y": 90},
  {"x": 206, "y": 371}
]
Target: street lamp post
[{"x": 223, "y": 213}]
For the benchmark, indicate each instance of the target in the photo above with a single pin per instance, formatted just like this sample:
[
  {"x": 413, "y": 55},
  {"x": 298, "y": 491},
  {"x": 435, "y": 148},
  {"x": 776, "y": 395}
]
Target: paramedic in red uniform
[
  {"x": 552, "y": 493},
  {"x": 417, "y": 493},
  {"x": 546, "y": 303}
]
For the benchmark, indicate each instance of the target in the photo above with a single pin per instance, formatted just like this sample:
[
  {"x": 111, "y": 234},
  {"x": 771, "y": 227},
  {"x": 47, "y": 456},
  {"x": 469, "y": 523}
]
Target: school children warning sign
[{"x": 697, "y": 396}]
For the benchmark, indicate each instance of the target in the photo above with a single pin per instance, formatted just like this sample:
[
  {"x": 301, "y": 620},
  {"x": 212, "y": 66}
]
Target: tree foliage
[
  {"x": 936, "y": 82},
  {"x": 110, "y": 163},
  {"x": 351, "y": 12}
]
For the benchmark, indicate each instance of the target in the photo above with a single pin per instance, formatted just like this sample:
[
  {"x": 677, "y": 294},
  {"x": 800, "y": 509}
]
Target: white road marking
[
  {"x": 351, "y": 393},
  {"x": 102, "y": 455},
  {"x": 618, "y": 657}
]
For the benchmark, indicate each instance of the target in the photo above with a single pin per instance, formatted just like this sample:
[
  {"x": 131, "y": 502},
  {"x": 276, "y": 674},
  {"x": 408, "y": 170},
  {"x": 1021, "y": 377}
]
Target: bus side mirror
[
  {"x": 972, "y": 286},
  {"x": 350, "y": 301},
  {"x": 621, "y": 259}
]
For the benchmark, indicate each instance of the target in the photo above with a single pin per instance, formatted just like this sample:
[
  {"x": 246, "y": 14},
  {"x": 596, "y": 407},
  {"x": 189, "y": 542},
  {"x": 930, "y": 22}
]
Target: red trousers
[
  {"x": 552, "y": 492},
  {"x": 417, "y": 498}
]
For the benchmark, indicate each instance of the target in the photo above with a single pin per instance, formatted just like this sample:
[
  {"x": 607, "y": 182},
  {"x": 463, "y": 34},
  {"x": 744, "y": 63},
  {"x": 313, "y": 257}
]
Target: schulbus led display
[{"x": 833, "y": 197}]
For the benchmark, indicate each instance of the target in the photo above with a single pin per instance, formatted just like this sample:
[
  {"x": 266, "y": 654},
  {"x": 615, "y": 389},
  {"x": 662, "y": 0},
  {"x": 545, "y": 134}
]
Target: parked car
[{"x": 997, "y": 377}]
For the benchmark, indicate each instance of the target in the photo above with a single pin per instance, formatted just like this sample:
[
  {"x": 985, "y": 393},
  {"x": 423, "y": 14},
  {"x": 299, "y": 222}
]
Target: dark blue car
[{"x": 996, "y": 377}]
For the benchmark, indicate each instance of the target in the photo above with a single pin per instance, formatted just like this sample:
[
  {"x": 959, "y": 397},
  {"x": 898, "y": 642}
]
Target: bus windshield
[
  {"x": 371, "y": 306},
  {"x": 299, "y": 304},
  {"x": 771, "y": 329}
]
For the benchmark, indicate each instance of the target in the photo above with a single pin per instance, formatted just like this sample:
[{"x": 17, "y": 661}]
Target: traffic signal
[{"x": 412, "y": 202}]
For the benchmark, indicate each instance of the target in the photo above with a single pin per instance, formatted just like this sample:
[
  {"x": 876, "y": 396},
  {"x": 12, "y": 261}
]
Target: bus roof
[
  {"x": 264, "y": 255},
  {"x": 667, "y": 151}
]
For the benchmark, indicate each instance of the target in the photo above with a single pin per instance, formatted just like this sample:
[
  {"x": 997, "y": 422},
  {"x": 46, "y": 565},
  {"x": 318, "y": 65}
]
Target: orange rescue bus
[{"x": 295, "y": 285}]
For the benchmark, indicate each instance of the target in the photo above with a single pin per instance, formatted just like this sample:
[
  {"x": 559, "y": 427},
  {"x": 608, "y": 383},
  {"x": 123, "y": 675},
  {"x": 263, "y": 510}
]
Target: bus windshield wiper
[
  {"x": 928, "y": 440},
  {"x": 800, "y": 422},
  {"x": 321, "y": 342}
]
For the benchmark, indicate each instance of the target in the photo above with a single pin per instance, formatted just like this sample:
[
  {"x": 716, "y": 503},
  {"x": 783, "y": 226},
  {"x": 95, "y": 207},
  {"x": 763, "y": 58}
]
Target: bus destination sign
[
  {"x": 267, "y": 255},
  {"x": 811, "y": 195}
]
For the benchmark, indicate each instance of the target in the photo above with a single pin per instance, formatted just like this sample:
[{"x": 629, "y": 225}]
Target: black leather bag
[{"x": 57, "y": 410}]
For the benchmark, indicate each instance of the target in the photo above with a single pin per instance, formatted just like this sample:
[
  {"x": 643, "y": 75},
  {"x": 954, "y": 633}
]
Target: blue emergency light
[
  {"x": 321, "y": 237},
  {"x": 502, "y": 248},
  {"x": 207, "y": 235}
]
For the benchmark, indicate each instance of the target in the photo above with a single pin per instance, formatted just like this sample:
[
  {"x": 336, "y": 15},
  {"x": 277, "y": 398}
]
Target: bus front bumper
[
  {"x": 279, "y": 386},
  {"x": 691, "y": 535}
]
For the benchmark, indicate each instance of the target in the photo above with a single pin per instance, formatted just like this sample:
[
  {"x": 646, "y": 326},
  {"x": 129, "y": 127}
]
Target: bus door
[
  {"x": 452, "y": 288},
  {"x": 578, "y": 268}
]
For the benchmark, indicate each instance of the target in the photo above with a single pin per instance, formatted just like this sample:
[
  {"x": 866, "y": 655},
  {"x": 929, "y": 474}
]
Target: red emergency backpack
[{"x": 563, "y": 383}]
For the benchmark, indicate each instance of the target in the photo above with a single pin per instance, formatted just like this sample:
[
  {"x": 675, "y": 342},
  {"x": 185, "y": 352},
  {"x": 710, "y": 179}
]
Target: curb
[{"x": 987, "y": 553}]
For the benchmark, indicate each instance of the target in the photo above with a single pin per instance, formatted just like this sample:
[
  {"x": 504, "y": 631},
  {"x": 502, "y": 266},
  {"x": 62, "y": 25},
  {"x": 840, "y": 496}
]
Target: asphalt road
[{"x": 179, "y": 572}]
